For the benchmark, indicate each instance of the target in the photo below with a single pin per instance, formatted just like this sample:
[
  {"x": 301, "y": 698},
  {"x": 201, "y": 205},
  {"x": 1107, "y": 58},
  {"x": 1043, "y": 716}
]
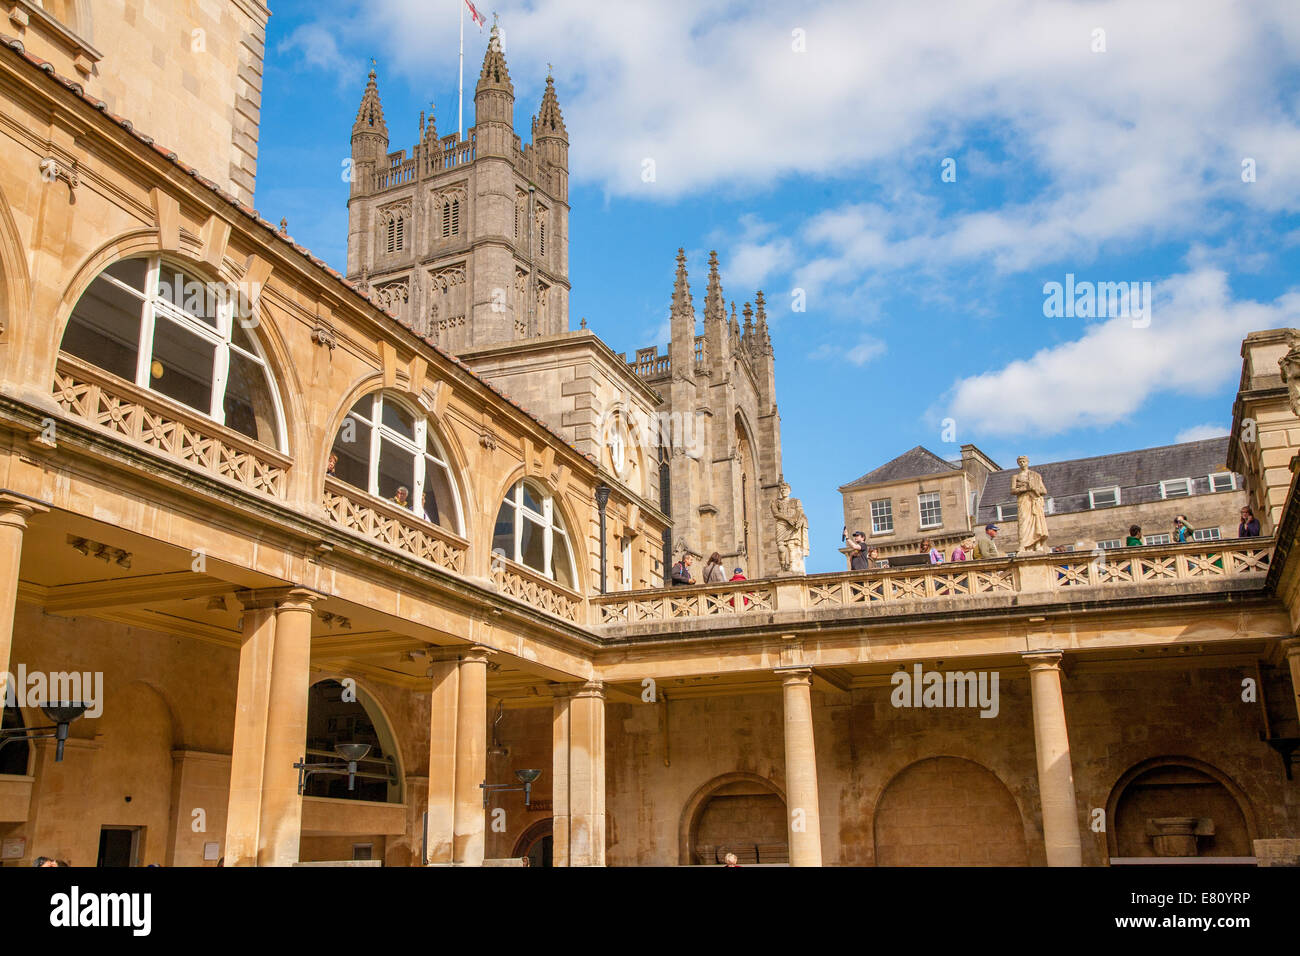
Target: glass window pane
[
  {"x": 131, "y": 271},
  {"x": 396, "y": 471},
  {"x": 532, "y": 545},
  {"x": 560, "y": 558},
  {"x": 182, "y": 365},
  {"x": 189, "y": 294},
  {"x": 352, "y": 445},
  {"x": 439, "y": 501},
  {"x": 250, "y": 409},
  {"x": 364, "y": 408},
  {"x": 104, "y": 329},
  {"x": 431, "y": 446},
  {"x": 399, "y": 420},
  {"x": 242, "y": 337},
  {"x": 503, "y": 535},
  {"x": 532, "y": 501}
]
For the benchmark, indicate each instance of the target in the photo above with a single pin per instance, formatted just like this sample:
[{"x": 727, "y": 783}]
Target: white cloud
[
  {"x": 316, "y": 47},
  {"x": 867, "y": 349},
  {"x": 1200, "y": 432},
  {"x": 1192, "y": 347}
]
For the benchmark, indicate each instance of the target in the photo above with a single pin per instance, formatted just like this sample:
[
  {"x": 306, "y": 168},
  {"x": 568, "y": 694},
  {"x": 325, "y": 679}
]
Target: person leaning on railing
[
  {"x": 1249, "y": 527},
  {"x": 1134, "y": 539},
  {"x": 682, "y": 572},
  {"x": 713, "y": 570}
]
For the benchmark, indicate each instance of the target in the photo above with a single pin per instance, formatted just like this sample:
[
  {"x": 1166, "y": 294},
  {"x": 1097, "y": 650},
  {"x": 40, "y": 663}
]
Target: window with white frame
[
  {"x": 1157, "y": 539},
  {"x": 627, "y": 563},
  {"x": 529, "y": 531},
  {"x": 1103, "y": 497},
  {"x": 387, "y": 449},
  {"x": 1110, "y": 543},
  {"x": 930, "y": 510},
  {"x": 1008, "y": 512},
  {"x": 1206, "y": 534},
  {"x": 882, "y": 516},
  {"x": 160, "y": 326},
  {"x": 1223, "y": 481},
  {"x": 1176, "y": 488}
]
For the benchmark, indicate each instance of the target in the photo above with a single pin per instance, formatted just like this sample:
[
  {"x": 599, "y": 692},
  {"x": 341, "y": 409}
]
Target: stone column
[
  {"x": 443, "y": 695},
  {"x": 14, "y": 512},
  {"x": 471, "y": 758},
  {"x": 578, "y": 764},
  {"x": 1052, "y": 745},
  {"x": 280, "y": 823},
  {"x": 804, "y": 817},
  {"x": 248, "y": 749},
  {"x": 1291, "y": 652}
]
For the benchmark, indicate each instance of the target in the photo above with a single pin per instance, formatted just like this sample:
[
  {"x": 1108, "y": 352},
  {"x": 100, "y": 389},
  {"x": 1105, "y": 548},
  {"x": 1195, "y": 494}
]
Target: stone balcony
[{"x": 1090, "y": 578}]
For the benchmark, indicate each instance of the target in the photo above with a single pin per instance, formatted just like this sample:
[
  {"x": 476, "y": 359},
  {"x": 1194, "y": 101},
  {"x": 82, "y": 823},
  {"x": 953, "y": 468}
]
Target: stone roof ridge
[{"x": 916, "y": 462}]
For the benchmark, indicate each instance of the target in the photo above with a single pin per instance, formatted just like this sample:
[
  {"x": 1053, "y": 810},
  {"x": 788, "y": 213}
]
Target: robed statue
[
  {"x": 1031, "y": 514},
  {"x": 791, "y": 531}
]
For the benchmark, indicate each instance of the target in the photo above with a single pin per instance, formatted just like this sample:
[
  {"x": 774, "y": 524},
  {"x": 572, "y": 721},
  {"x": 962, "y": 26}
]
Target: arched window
[
  {"x": 164, "y": 329},
  {"x": 396, "y": 234},
  {"x": 337, "y": 715},
  {"x": 384, "y": 447},
  {"x": 529, "y": 531}
]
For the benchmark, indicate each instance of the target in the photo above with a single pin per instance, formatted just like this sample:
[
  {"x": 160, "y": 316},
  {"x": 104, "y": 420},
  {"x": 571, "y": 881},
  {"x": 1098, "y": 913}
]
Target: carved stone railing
[
  {"x": 147, "y": 419},
  {"x": 393, "y": 526},
  {"x": 1039, "y": 579},
  {"x": 524, "y": 584},
  {"x": 725, "y": 600}
]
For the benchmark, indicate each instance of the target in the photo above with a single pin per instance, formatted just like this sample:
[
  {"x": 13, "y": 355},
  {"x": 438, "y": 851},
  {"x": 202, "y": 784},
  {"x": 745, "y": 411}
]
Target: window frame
[
  {"x": 922, "y": 499},
  {"x": 887, "y": 512},
  {"x": 1092, "y": 497},
  {"x": 1164, "y": 537},
  {"x": 418, "y": 447},
  {"x": 219, "y": 337},
  {"x": 1110, "y": 544},
  {"x": 626, "y": 554},
  {"x": 1207, "y": 534},
  {"x": 552, "y": 524},
  {"x": 1165, "y": 484},
  {"x": 1009, "y": 511},
  {"x": 1232, "y": 481}
]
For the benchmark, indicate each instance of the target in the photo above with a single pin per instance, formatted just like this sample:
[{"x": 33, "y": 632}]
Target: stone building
[
  {"x": 1092, "y": 502},
  {"x": 437, "y": 241},
  {"x": 236, "y": 608}
]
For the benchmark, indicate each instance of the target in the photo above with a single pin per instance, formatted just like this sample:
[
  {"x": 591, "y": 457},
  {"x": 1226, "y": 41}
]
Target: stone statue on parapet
[
  {"x": 791, "y": 531},
  {"x": 1031, "y": 513},
  {"x": 1289, "y": 365}
]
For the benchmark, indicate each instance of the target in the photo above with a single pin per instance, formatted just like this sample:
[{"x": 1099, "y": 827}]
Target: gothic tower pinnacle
[{"x": 714, "y": 308}]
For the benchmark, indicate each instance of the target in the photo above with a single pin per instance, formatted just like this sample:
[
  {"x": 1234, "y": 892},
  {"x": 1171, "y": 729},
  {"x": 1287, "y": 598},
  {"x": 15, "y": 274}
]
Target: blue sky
[{"x": 806, "y": 144}]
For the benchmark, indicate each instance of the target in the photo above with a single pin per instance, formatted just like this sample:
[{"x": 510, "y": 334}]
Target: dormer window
[
  {"x": 1176, "y": 488},
  {"x": 1103, "y": 497}
]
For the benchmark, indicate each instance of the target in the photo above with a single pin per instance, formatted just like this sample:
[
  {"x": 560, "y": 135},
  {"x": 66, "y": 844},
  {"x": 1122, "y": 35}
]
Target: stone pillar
[
  {"x": 442, "y": 761},
  {"x": 801, "y": 769},
  {"x": 1052, "y": 745},
  {"x": 280, "y": 824},
  {"x": 471, "y": 758},
  {"x": 14, "y": 512},
  {"x": 578, "y": 764},
  {"x": 264, "y": 812},
  {"x": 1291, "y": 652}
]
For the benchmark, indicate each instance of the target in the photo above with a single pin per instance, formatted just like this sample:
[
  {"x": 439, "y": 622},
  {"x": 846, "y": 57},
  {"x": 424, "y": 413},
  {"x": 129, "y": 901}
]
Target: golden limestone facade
[{"x": 258, "y": 526}]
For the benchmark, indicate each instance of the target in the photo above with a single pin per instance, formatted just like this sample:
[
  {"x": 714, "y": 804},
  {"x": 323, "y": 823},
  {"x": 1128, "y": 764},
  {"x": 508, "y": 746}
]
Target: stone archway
[
  {"x": 742, "y": 813},
  {"x": 1178, "y": 807},
  {"x": 537, "y": 843},
  {"x": 948, "y": 811}
]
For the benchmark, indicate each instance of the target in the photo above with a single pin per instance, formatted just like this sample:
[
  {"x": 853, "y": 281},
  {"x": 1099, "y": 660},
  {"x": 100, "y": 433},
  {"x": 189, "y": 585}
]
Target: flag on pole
[{"x": 477, "y": 17}]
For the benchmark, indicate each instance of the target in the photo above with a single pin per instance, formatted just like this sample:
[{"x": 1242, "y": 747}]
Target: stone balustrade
[
  {"x": 523, "y": 584},
  {"x": 1039, "y": 579},
  {"x": 167, "y": 428},
  {"x": 393, "y": 526}
]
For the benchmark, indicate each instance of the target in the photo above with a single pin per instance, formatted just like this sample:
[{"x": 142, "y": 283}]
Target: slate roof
[
  {"x": 16, "y": 45},
  {"x": 916, "y": 463},
  {"x": 1137, "y": 473}
]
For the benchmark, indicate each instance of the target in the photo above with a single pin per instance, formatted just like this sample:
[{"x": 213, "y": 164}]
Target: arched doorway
[
  {"x": 1178, "y": 807},
  {"x": 341, "y": 715},
  {"x": 947, "y": 811},
  {"x": 740, "y": 813},
  {"x": 537, "y": 843}
]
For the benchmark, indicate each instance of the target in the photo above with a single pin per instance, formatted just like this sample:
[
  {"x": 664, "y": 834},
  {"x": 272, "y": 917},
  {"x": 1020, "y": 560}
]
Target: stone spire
[
  {"x": 370, "y": 115},
  {"x": 748, "y": 312},
  {"x": 714, "y": 308},
  {"x": 494, "y": 75},
  {"x": 682, "y": 304},
  {"x": 764, "y": 339},
  {"x": 734, "y": 328},
  {"x": 549, "y": 121},
  {"x": 429, "y": 138}
]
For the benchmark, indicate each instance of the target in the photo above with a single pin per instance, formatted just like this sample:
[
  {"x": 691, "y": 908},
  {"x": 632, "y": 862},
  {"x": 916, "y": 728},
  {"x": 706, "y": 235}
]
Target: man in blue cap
[{"x": 985, "y": 545}]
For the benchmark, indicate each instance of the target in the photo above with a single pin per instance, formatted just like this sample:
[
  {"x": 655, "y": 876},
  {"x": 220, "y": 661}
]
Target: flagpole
[{"x": 460, "y": 106}]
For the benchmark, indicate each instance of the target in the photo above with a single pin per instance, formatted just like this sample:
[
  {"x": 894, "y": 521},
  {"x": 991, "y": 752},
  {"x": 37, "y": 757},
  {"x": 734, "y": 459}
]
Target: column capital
[
  {"x": 588, "y": 688},
  {"x": 290, "y": 598},
  {"x": 1290, "y": 647},
  {"x": 1046, "y": 659},
  {"x": 799, "y": 674},
  {"x": 15, "y": 509},
  {"x": 477, "y": 654}
]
